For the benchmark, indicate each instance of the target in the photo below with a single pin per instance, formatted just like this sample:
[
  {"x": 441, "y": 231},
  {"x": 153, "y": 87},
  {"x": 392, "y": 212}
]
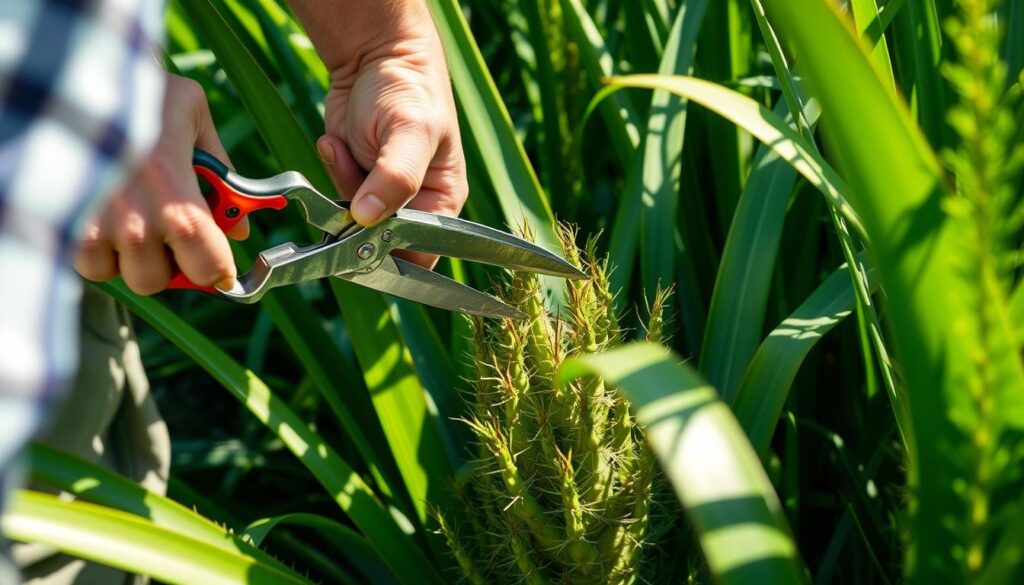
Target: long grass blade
[
  {"x": 736, "y": 317},
  {"x": 659, "y": 198},
  {"x": 708, "y": 460},
  {"x": 759, "y": 121},
  {"x": 344, "y": 485},
  {"x": 766, "y": 384},
  {"x": 619, "y": 113},
  {"x": 869, "y": 324},
  {"x": 351, "y": 544},
  {"x": 92, "y": 483},
  {"x": 125, "y": 541},
  {"x": 917, "y": 54},
  {"x": 931, "y": 284}
]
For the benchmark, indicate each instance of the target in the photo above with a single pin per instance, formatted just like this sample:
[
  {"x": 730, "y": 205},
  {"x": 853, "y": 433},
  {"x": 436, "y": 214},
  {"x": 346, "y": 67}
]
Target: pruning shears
[{"x": 363, "y": 254}]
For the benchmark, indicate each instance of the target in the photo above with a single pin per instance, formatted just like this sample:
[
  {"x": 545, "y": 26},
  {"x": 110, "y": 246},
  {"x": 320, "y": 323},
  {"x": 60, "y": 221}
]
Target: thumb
[{"x": 395, "y": 178}]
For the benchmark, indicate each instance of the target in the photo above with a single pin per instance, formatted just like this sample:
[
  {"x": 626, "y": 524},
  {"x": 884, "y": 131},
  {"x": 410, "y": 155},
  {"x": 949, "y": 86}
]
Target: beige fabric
[{"x": 108, "y": 417}]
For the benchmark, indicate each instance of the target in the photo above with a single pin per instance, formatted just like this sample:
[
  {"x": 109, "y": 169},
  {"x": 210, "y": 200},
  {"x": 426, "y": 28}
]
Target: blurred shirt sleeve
[{"x": 80, "y": 93}]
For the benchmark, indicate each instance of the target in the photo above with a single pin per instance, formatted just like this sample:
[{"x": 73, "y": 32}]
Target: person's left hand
[{"x": 391, "y": 130}]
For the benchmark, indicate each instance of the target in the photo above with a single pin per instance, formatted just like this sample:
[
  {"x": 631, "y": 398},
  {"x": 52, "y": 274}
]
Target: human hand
[
  {"x": 392, "y": 133},
  {"x": 160, "y": 219}
]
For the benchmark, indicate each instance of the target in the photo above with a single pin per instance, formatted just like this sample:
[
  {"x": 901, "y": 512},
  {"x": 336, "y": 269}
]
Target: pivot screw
[
  {"x": 232, "y": 212},
  {"x": 386, "y": 235},
  {"x": 366, "y": 251}
]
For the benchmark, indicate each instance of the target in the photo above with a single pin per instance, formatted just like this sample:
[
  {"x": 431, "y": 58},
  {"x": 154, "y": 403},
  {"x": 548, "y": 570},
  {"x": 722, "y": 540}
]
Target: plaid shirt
[{"x": 80, "y": 92}]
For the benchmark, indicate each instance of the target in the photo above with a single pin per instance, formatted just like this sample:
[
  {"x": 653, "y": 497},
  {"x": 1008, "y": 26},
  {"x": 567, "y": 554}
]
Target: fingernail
[
  {"x": 323, "y": 146},
  {"x": 368, "y": 209},
  {"x": 226, "y": 284}
]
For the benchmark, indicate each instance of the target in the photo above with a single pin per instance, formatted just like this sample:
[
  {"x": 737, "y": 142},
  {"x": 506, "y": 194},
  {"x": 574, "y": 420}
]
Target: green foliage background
[{"x": 834, "y": 193}]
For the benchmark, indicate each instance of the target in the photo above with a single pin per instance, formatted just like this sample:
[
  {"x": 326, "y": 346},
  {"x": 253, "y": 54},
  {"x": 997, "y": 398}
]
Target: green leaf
[
  {"x": 708, "y": 460},
  {"x": 936, "y": 304},
  {"x": 92, "y": 483},
  {"x": 767, "y": 381},
  {"x": 1013, "y": 44},
  {"x": 436, "y": 371},
  {"x": 552, "y": 111},
  {"x": 409, "y": 421},
  {"x": 125, "y": 541},
  {"x": 725, "y": 53},
  {"x": 736, "y": 316},
  {"x": 759, "y": 121},
  {"x": 275, "y": 24},
  {"x": 325, "y": 365},
  {"x": 347, "y": 489},
  {"x": 645, "y": 33},
  {"x": 868, "y": 322},
  {"x": 351, "y": 544},
  {"x": 659, "y": 189},
  {"x": 917, "y": 53},
  {"x": 865, "y": 15},
  {"x": 619, "y": 113}
]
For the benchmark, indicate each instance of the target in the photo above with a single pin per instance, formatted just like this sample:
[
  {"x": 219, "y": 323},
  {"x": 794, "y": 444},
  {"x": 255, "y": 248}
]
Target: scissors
[{"x": 363, "y": 254}]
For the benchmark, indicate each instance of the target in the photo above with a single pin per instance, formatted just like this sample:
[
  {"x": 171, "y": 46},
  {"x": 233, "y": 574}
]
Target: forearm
[{"x": 348, "y": 33}]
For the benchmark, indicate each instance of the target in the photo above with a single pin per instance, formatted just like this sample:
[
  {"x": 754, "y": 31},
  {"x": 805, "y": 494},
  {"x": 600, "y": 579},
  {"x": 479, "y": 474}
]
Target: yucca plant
[{"x": 561, "y": 489}]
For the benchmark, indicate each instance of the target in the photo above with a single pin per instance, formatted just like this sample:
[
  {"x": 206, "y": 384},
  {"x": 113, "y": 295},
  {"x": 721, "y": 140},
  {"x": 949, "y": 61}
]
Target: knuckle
[
  {"x": 191, "y": 90},
  {"x": 458, "y": 186},
  {"x": 133, "y": 236},
  {"x": 400, "y": 176},
  {"x": 92, "y": 242},
  {"x": 424, "y": 122},
  {"x": 184, "y": 223}
]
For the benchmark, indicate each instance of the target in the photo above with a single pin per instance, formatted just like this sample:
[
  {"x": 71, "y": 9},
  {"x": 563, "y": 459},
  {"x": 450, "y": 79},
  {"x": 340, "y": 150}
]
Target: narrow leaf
[{"x": 708, "y": 460}]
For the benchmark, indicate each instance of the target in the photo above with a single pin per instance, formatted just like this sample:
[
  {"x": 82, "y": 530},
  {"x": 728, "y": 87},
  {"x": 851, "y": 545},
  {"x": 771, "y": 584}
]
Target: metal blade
[
  {"x": 410, "y": 281},
  {"x": 458, "y": 238}
]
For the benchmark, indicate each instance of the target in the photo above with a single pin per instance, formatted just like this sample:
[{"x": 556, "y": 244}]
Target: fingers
[
  {"x": 396, "y": 176},
  {"x": 160, "y": 221},
  {"x": 141, "y": 258},
  {"x": 95, "y": 259},
  {"x": 199, "y": 247}
]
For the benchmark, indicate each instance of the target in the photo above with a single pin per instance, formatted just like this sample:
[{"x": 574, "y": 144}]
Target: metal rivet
[
  {"x": 366, "y": 251},
  {"x": 386, "y": 235},
  {"x": 232, "y": 212}
]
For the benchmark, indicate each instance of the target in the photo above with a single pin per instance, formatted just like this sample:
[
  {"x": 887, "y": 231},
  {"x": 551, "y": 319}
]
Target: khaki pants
[{"x": 110, "y": 418}]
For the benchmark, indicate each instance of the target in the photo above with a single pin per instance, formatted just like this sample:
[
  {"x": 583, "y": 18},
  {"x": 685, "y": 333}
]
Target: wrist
[{"x": 351, "y": 33}]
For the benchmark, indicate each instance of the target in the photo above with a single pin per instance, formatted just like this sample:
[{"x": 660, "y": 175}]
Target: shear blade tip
[
  {"x": 508, "y": 312},
  {"x": 578, "y": 274}
]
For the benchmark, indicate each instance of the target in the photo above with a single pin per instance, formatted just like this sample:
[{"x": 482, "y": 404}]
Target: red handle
[{"x": 229, "y": 203}]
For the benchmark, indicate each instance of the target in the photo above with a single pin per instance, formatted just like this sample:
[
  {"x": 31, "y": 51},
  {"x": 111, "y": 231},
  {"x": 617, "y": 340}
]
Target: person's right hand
[{"x": 159, "y": 219}]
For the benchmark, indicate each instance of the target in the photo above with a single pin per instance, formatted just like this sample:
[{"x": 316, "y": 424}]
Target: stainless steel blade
[
  {"x": 410, "y": 281},
  {"x": 458, "y": 238}
]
